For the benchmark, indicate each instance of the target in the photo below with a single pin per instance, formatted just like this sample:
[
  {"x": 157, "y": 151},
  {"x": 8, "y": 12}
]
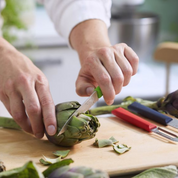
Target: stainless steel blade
[
  {"x": 167, "y": 134},
  {"x": 173, "y": 123},
  {"x": 82, "y": 109}
]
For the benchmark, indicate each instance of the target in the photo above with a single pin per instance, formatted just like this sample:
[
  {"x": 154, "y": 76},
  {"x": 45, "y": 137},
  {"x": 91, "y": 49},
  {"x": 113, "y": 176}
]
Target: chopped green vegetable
[
  {"x": 121, "y": 148},
  {"x": 61, "y": 153},
  {"x": 48, "y": 161},
  {"x": 2, "y": 166},
  {"x": 105, "y": 142},
  {"x": 159, "y": 172},
  {"x": 77, "y": 172},
  {"x": 28, "y": 170},
  {"x": 54, "y": 166},
  {"x": 8, "y": 123},
  {"x": 44, "y": 162}
]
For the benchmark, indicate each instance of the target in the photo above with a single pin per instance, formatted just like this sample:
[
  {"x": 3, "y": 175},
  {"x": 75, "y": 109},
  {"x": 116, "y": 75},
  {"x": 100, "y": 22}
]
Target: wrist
[{"x": 89, "y": 36}]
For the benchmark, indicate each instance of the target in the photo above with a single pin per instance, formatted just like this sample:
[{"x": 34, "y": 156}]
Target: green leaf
[
  {"x": 47, "y": 161},
  {"x": 54, "y": 166},
  {"x": 28, "y": 170},
  {"x": 121, "y": 148},
  {"x": 105, "y": 142},
  {"x": 61, "y": 153},
  {"x": 159, "y": 172}
]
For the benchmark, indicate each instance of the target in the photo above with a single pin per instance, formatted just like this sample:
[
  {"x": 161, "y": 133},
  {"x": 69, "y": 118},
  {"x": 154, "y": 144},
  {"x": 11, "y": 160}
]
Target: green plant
[{"x": 12, "y": 18}]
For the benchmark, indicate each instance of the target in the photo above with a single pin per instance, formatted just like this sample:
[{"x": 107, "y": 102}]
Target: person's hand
[
  {"x": 25, "y": 92},
  {"x": 110, "y": 67}
]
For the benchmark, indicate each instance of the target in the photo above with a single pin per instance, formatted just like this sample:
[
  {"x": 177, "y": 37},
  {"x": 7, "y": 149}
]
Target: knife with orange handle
[{"x": 144, "y": 124}]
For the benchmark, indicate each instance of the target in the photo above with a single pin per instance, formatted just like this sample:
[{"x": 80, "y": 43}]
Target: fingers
[
  {"x": 109, "y": 67},
  {"x": 13, "y": 103},
  {"x": 31, "y": 105},
  {"x": 47, "y": 105},
  {"x": 40, "y": 107},
  {"x": 132, "y": 57},
  {"x": 93, "y": 73},
  {"x": 18, "y": 112}
]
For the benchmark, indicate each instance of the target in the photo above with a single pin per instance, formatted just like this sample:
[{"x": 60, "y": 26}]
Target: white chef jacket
[{"x": 66, "y": 14}]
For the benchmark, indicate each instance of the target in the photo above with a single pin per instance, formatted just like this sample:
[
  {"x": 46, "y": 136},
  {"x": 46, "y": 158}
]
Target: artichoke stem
[
  {"x": 8, "y": 123},
  {"x": 103, "y": 110},
  {"x": 107, "y": 109}
]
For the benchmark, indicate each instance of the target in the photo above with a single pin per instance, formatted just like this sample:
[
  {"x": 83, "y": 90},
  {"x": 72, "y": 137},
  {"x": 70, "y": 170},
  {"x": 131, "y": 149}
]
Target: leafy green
[
  {"x": 105, "y": 142},
  {"x": 61, "y": 153},
  {"x": 54, "y": 166},
  {"x": 121, "y": 148},
  {"x": 48, "y": 161},
  {"x": 12, "y": 18},
  {"x": 159, "y": 172},
  {"x": 27, "y": 171}
]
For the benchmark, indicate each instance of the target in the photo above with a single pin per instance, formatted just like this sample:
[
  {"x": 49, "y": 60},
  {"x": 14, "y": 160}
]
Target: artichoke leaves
[{"x": 81, "y": 127}]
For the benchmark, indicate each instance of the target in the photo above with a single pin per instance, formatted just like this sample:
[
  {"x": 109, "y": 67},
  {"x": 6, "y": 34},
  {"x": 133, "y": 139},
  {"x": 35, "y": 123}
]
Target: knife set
[{"x": 139, "y": 109}]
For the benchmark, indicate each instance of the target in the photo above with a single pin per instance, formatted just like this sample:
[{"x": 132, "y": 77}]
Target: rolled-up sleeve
[{"x": 66, "y": 14}]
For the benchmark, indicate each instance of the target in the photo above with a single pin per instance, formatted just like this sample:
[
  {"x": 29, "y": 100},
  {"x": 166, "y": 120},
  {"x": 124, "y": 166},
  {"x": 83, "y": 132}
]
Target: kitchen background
[{"x": 141, "y": 24}]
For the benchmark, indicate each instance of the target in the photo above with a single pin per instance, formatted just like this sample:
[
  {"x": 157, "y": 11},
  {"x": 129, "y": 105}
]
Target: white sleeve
[{"x": 66, "y": 14}]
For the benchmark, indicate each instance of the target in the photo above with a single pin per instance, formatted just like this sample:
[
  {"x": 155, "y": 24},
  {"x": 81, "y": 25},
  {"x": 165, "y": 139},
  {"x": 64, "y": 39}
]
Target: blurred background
[{"x": 142, "y": 24}]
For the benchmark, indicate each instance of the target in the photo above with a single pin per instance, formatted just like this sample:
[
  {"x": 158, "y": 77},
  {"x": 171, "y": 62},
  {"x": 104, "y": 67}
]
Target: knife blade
[
  {"x": 144, "y": 124},
  {"x": 153, "y": 115},
  {"x": 94, "y": 97}
]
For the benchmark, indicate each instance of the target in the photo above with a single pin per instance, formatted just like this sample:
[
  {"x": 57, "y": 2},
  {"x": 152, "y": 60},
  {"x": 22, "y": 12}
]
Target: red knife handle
[{"x": 133, "y": 119}]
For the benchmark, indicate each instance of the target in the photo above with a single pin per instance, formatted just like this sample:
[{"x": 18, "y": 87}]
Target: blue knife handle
[{"x": 149, "y": 113}]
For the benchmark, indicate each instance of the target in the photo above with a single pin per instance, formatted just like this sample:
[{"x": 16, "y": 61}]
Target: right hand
[{"x": 24, "y": 91}]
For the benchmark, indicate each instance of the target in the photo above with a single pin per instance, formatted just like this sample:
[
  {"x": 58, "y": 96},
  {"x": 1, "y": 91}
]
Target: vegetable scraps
[
  {"x": 120, "y": 148},
  {"x": 159, "y": 172},
  {"x": 60, "y": 154}
]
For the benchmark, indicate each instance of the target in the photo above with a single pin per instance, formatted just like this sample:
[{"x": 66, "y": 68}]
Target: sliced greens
[
  {"x": 159, "y": 172},
  {"x": 105, "y": 142},
  {"x": 120, "y": 148}
]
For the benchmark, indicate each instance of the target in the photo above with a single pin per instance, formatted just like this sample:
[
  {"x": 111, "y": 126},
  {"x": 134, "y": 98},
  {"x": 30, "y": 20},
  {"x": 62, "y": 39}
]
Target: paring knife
[
  {"x": 144, "y": 124},
  {"x": 84, "y": 107},
  {"x": 153, "y": 115}
]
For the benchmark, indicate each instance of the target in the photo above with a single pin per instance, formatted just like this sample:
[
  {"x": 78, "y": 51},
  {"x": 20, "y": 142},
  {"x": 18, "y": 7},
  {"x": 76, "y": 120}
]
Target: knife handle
[
  {"x": 99, "y": 92},
  {"x": 149, "y": 113},
  {"x": 133, "y": 119}
]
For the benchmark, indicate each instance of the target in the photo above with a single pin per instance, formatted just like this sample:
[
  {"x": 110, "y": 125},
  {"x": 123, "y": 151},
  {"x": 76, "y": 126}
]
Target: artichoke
[
  {"x": 81, "y": 127},
  {"x": 2, "y": 166},
  {"x": 77, "y": 172},
  {"x": 169, "y": 104}
]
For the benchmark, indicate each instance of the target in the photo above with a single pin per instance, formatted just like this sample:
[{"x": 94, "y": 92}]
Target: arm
[
  {"x": 25, "y": 92},
  {"x": 84, "y": 23},
  {"x": 110, "y": 67}
]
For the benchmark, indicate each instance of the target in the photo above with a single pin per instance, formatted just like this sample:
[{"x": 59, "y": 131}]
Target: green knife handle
[{"x": 99, "y": 92}]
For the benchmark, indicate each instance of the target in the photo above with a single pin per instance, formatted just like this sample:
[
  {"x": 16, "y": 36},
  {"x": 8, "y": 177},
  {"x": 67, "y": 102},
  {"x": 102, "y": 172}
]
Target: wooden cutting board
[{"x": 17, "y": 147}]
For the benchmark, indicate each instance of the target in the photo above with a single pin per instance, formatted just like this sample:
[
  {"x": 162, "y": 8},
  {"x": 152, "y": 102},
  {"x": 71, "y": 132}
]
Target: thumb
[{"x": 83, "y": 87}]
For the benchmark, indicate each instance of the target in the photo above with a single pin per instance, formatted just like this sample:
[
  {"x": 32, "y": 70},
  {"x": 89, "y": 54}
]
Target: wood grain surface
[{"x": 17, "y": 147}]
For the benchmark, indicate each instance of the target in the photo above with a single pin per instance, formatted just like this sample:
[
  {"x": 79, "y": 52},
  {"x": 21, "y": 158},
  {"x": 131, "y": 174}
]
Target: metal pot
[{"x": 138, "y": 30}]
